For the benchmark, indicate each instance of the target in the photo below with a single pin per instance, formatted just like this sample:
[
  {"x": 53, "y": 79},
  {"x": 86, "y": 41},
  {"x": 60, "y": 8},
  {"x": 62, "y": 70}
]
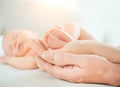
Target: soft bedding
[{"x": 12, "y": 77}]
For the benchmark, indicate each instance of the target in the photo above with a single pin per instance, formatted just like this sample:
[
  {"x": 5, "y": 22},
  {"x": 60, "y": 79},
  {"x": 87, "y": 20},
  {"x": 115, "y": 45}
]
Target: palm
[{"x": 89, "y": 69}]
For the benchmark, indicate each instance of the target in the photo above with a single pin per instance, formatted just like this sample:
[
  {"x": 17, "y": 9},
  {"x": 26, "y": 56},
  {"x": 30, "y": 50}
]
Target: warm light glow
[
  {"x": 59, "y": 3},
  {"x": 54, "y": 9}
]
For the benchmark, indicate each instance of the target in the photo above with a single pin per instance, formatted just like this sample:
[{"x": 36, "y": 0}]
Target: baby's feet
[{"x": 56, "y": 38}]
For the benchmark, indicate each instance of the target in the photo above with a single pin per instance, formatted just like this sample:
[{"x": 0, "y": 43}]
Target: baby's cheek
[
  {"x": 14, "y": 52},
  {"x": 8, "y": 52}
]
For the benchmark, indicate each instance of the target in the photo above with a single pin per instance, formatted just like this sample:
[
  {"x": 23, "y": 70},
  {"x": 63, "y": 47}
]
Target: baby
[{"x": 18, "y": 49}]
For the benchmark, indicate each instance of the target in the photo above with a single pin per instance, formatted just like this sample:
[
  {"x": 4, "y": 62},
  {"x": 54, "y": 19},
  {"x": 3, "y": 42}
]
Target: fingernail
[
  {"x": 47, "y": 55},
  {"x": 57, "y": 56}
]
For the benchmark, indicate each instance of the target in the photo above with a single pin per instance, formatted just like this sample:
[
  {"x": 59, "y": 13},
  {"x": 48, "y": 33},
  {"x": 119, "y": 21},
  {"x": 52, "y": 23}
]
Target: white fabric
[{"x": 12, "y": 77}]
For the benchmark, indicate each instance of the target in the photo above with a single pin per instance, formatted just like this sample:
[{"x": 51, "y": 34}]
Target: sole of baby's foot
[
  {"x": 46, "y": 35},
  {"x": 53, "y": 42},
  {"x": 56, "y": 38},
  {"x": 61, "y": 35},
  {"x": 58, "y": 31}
]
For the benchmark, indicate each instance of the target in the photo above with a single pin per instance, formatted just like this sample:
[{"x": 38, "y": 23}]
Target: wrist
[
  {"x": 117, "y": 74},
  {"x": 78, "y": 47},
  {"x": 89, "y": 46},
  {"x": 112, "y": 74}
]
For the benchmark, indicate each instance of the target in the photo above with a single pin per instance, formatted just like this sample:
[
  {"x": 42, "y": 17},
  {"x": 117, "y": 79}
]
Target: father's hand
[{"x": 81, "y": 68}]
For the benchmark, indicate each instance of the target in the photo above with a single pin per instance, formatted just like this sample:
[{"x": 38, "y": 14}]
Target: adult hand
[
  {"x": 82, "y": 68},
  {"x": 58, "y": 36},
  {"x": 93, "y": 47},
  {"x": 76, "y": 47}
]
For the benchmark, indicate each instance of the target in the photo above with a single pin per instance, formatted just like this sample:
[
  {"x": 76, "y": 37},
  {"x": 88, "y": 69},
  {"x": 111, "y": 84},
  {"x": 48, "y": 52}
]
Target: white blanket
[{"x": 12, "y": 77}]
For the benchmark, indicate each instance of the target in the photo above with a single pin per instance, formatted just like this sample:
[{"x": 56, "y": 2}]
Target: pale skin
[
  {"x": 86, "y": 61},
  {"x": 79, "y": 66},
  {"x": 18, "y": 50},
  {"x": 82, "y": 68},
  {"x": 76, "y": 73},
  {"x": 80, "y": 43},
  {"x": 58, "y": 36},
  {"x": 17, "y": 47},
  {"x": 94, "y": 47}
]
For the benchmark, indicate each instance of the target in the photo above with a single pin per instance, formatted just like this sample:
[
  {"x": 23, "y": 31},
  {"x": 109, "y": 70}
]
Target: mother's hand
[
  {"x": 82, "y": 68},
  {"x": 76, "y": 47},
  {"x": 93, "y": 47}
]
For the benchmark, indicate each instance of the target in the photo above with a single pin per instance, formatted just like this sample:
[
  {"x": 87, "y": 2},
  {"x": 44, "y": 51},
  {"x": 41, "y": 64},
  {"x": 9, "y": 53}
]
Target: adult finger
[
  {"x": 48, "y": 55},
  {"x": 63, "y": 59},
  {"x": 69, "y": 73}
]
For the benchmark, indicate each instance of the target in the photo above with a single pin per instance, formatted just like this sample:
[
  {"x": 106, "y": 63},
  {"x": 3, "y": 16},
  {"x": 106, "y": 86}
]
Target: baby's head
[{"x": 17, "y": 42}]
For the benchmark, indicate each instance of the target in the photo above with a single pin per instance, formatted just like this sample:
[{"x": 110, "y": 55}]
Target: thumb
[
  {"x": 62, "y": 59},
  {"x": 49, "y": 55}
]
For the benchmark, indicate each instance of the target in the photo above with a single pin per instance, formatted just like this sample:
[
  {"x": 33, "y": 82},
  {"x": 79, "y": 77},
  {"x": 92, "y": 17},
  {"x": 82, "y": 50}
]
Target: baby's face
[{"x": 17, "y": 43}]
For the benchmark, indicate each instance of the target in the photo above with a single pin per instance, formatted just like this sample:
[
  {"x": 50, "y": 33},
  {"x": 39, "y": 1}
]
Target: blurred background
[{"x": 100, "y": 17}]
